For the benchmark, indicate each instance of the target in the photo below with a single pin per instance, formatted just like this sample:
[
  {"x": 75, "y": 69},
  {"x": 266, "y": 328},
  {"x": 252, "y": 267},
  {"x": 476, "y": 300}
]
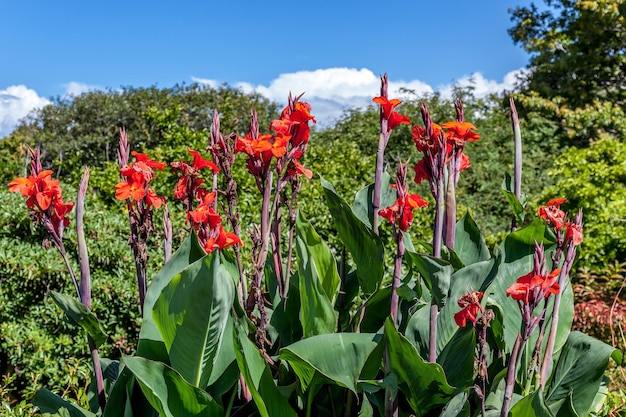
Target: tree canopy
[{"x": 578, "y": 49}]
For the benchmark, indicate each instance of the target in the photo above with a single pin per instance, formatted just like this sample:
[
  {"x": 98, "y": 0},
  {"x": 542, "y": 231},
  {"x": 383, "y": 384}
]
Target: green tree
[{"x": 578, "y": 49}]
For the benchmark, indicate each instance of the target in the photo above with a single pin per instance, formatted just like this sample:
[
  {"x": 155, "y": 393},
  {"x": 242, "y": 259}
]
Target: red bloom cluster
[
  {"x": 45, "y": 199},
  {"x": 553, "y": 214},
  {"x": 138, "y": 176},
  {"x": 287, "y": 143},
  {"x": 532, "y": 287},
  {"x": 428, "y": 141},
  {"x": 208, "y": 224},
  {"x": 470, "y": 304},
  {"x": 402, "y": 210},
  {"x": 188, "y": 175},
  {"x": 203, "y": 219}
]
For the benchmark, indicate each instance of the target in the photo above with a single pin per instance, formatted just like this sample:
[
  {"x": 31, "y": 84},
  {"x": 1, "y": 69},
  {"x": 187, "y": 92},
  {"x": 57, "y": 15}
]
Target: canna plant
[{"x": 285, "y": 326}]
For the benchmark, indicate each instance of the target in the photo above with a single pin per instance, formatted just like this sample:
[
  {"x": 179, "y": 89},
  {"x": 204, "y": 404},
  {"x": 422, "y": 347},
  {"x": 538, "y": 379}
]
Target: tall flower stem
[
  {"x": 570, "y": 255},
  {"x": 380, "y": 156},
  {"x": 517, "y": 138},
  {"x": 437, "y": 238},
  {"x": 450, "y": 206},
  {"x": 510, "y": 375},
  {"x": 85, "y": 283},
  {"x": 167, "y": 235},
  {"x": 397, "y": 270}
]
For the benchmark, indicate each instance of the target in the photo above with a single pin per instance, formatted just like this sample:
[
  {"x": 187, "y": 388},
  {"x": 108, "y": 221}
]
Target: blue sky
[{"x": 332, "y": 50}]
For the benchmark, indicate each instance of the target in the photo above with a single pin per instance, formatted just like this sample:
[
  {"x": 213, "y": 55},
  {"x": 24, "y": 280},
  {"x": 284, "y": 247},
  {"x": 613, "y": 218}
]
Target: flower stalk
[{"x": 517, "y": 176}]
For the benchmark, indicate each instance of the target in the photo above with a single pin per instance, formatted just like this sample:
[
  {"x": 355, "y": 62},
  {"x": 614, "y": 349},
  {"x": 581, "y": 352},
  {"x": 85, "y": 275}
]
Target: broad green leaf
[
  {"x": 366, "y": 248},
  {"x": 423, "y": 384},
  {"x": 48, "y": 402},
  {"x": 376, "y": 311},
  {"x": 110, "y": 372},
  {"x": 477, "y": 276},
  {"x": 436, "y": 273},
  {"x": 469, "y": 244},
  {"x": 532, "y": 405},
  {"x": 340, "y": 357},
  {"x": 565, "y": 408},
  {"x": 192, "y": 314},
  {"x": 151, "y": 344},
  {"x": 366, "y": 408},
  {"x": 80, "y": 315},
  {"x": 457, "y": 407},
  {"x": 258, "y": 378},
  {"x": 318, "y": 281},
  {"x": 362, "y": 206},
  {"x": 580, "y": 371},
  {"x": 457, "y": 357},
  {"x": 285, "y": 316},
  {"x": 168, "y": 392},
  {"x": 601, "y": 397},
  {"x": 521, "y": 243}
]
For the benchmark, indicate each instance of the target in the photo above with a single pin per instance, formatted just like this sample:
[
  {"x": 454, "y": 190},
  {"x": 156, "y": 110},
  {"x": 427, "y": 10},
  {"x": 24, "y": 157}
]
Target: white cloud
[
  {"x": 209, "y": 82},
  {"x": 73, "y": 88},
  {"x": 483, "y": 87},
  {"x": 330, "y": 91},
  {"x": 16, "y": 101}
]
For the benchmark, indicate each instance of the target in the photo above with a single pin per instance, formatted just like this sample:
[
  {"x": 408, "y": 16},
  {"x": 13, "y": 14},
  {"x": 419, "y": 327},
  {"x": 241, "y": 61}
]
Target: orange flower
[
  {"x": 422, "y": 141},
  {"x": 387, "y": 105},
  {"x": 461, "y": 132},
  {"x": 225, "y": 240},
  {"x": 134, "y": 187},
  {"x": 44, "y": 197},
  {"x": 204, "y": 213},
  {"x": 142, "y": 157}
]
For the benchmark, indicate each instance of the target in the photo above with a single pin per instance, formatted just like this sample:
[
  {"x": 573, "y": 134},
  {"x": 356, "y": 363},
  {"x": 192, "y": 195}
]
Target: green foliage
[
  {"x": 577, "y": 49},
  {"x": 35, "y": 336},
  {"x": 195, "y": 339},
  {"x": 594, "y": 179}
]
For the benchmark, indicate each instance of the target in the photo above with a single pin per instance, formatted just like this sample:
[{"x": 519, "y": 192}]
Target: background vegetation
[{"x": 573, "y": 128}]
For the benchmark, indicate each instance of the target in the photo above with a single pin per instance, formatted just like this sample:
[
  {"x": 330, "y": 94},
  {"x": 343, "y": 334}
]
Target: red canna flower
[
  {"x": 143, "y": 158},
  {"x": 296, "y": 168},
  {"x": 225, "y": 240},
  {"x": 45, "y": 199},
  {"x": 402, "y": 209},
  {"x": 393, "y": 118},
  {"x": 470, "y": 304},
  {"x": 387, "y": 105},
  {"x": 575, "y": 232},
  {"x": 552, "y": 212},
  {"x": 200, "y": 163},
  {"x": 461, "y": 132},
  {"x": 134, "y": 187},
  {"x": 422, "y": 171},
  {"x": 532, "y": 287},
  {"x": 204, "y": 213}
]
